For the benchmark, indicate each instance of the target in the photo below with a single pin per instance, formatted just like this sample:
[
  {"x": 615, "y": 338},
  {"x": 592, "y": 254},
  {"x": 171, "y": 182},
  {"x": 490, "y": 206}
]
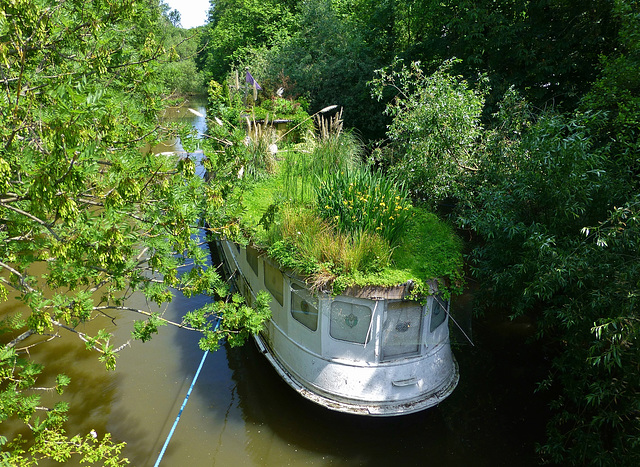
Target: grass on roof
[{"x": 299, "y": 239}]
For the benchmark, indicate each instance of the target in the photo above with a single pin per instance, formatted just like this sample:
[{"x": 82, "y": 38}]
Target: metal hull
[{"x": 367, "y": 352}]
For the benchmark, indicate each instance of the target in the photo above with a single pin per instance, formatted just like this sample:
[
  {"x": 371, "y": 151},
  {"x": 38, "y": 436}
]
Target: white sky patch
[{"x": 192, "y": 12}]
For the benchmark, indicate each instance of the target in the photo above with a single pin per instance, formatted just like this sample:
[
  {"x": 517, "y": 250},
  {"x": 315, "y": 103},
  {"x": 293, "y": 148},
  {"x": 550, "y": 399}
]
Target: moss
[
  {"x": 429, "y": 247},
  {"x": 257, "y": 201}
]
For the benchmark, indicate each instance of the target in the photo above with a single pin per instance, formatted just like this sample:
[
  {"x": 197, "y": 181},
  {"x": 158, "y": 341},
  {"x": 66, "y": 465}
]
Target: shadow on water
[{"x": 491, "y": 419}]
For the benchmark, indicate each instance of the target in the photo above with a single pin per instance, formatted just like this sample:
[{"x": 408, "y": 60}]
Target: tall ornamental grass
[
  {"x": 332, "y": 251},
  {"x": 321, "y": 155},
  {"x": 259, "y": 153}
]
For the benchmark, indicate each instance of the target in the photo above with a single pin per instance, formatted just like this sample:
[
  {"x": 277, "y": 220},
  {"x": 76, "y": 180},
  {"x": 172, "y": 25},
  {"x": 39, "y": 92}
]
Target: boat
[{"x": 369, "y": 350}]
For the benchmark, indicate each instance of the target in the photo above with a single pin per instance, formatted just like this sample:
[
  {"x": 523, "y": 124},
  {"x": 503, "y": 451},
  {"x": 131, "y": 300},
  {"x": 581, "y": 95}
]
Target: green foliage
[
  {"x": 231, "y": 320},
  {"x": 179, "y": 74},
  {"x": 363, "y": 201},
  {"x": 435, "y": 130},
  {"x": 235, "y": 27},
  {"x": 317, "y": 159},
  {"x": 87, "y": 217},
  {"x": 20, "y": 399},
  {"x": 143, "y": 330},
  {"x": 325, "y": 59},
  {"x": 304, "y": 242},
  {"x": 544, "y": 183},
  {"x": 305, "y": 236}
]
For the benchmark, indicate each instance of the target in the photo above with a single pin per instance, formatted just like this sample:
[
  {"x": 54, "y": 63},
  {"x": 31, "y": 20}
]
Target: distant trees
[
  {"x": 326, "y": 60},
  {"x": 238, "y": 27},
  {"x": 328, "y": 49}
]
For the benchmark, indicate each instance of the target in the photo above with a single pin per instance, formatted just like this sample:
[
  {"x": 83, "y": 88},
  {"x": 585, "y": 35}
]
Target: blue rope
[{"x": 184, "y": 403}]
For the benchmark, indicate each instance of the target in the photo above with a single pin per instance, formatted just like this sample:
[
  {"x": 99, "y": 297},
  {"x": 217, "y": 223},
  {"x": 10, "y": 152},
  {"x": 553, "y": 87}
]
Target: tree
[
  {"x": 326, "y": 60},
  {"x": 554, "y": 248},
  {"x": 178, "y": 71},
  {"x": 548, "y": 50},
  {"x": 81, "y": 201},
  {"x": 552, "y": 200},
  {"x": 236, "y": 27},
  {"x": 435, "y": 131}
]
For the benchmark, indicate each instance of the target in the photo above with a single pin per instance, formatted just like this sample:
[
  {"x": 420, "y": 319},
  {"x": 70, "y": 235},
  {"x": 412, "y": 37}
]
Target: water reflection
[{"x": 242, "y": 414}]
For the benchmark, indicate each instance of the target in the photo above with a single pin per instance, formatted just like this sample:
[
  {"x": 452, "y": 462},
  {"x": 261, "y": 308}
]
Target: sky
[{"x": 192, "y": 12}]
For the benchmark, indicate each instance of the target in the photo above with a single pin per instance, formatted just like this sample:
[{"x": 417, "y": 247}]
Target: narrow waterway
[{"x": 241, "y": 413}]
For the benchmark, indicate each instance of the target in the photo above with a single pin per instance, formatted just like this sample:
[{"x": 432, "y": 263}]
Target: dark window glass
[
  {"x": 252, "y": 259},
  {"x": 401, "y": 330},
  {"x": 438, "y": 312},
  {"x": 274, "y": 282}
]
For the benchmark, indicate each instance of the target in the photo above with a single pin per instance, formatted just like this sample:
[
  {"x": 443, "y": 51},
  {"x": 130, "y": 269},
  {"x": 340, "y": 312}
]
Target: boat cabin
[{"x": 368, "y": 351}]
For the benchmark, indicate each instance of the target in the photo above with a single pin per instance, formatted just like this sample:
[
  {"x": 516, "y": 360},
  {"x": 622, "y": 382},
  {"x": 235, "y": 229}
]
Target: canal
[{"x": 241, "y": 413}]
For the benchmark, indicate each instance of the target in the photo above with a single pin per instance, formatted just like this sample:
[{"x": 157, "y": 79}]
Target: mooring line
[{"x": 184, "y": 403}]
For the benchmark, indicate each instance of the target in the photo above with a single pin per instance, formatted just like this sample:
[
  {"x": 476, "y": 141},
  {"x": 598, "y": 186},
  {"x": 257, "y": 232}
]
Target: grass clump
[
  {"x": 358, "y": 201},
  {"x": 318, "y": 158},
  {"x": 338, "y": 223},
  {"x": 331, "y": 252}
]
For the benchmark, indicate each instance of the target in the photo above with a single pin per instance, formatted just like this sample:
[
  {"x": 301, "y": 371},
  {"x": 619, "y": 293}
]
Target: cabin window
[
  {"x": 438, "y": 312},
  {"x": 401, "y": 330},
  {"x": 252, "y": 259},
  {"x": 245, "y": 290},
  {"x": 350, "y": 322},
  {"x": 304, "y": 307},
  {"x": 273, "y": 282}
]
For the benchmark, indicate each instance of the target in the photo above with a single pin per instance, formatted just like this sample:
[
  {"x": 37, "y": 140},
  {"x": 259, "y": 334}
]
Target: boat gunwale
[{"x": 356, "y": 406}]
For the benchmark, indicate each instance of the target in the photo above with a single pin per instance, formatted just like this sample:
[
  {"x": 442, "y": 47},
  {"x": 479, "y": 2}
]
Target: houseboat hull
[{"x": 367, "y": 352}]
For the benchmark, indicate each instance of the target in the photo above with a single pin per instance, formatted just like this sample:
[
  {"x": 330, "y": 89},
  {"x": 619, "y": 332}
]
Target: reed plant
[
  {"x": 359, "y": 200},
  {"x": 260, "y": 149},
  {"x": 330, "y": 149}
]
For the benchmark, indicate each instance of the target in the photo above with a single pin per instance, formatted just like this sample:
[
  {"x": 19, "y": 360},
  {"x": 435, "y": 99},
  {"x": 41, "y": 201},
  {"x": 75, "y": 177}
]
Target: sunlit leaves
[
  {"x": 87, "y": 215},
  {"x": 143, "y": 330},
  {"x": 358, "y": 200},
  {"x": 231, "y": 320},
  {"x": 435, "y": 131}
]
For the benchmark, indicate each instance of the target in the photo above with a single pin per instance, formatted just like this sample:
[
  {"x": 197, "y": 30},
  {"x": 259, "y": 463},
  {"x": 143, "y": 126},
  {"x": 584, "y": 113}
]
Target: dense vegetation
[
  {"x": 87, "y": 216},
  {"x": 522, "y": 119},
  {"x": 317, "y": 209}
]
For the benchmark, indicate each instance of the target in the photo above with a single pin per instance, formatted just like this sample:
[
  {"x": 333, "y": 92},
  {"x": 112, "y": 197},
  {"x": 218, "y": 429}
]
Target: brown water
[{"x": 241, "y": 413}]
